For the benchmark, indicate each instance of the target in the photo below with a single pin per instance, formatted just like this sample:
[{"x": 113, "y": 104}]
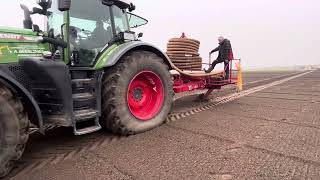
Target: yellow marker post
[{"x": 239, "y": 81}]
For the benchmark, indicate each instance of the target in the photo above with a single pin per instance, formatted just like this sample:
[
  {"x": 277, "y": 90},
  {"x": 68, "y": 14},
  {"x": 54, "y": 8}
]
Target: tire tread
[{"x": 18, "y": 147}]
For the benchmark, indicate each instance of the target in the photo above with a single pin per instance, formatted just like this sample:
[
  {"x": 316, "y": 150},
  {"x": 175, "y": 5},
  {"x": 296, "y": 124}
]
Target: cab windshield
[{"x": 90, "y": 27}]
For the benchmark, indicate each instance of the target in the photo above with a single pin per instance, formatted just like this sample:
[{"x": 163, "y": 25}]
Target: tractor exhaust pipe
[{"x": 27, "y": 22}]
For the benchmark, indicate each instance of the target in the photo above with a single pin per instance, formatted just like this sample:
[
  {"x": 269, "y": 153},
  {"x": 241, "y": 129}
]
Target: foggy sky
[{"x": 263, "y": 33}]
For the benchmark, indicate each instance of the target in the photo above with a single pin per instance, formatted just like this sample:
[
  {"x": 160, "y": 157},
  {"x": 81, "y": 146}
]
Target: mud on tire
[
  {"x": 14, "y": 126},
  {"x": 117, "y": 114}
]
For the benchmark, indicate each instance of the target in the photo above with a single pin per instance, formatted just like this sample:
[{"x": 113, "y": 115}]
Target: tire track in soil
[
  {"x": 28, "y": 165},
  {"x": 292, "y": 166}
]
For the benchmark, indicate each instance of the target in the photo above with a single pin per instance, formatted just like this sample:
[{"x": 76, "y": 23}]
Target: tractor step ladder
[{"x": 86, "y": 103}]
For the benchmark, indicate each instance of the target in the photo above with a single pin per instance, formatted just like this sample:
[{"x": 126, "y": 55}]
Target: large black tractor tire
[
  {"x": 138, "y": 76},
  {"x": 14, "y": 126}
]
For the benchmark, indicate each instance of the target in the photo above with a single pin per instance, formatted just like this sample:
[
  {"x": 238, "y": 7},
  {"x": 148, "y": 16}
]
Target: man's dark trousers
[{"x": 226, "y": 66}]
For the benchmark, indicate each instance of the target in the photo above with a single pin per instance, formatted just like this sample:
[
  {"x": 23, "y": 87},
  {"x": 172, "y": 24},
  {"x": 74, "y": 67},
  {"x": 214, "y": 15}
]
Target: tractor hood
[
  {"x": 16, "y": 35},
  {"x": 18, "y": 43}
]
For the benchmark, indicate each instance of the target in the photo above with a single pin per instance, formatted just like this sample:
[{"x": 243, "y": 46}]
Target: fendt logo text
[{"x": 16, "y": 37}]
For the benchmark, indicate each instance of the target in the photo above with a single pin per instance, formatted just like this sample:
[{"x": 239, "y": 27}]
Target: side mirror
[
  {"x": 64, "y": 5},
  {"x": 45, "y": 4},
  {"x": 132, "y": 7}
]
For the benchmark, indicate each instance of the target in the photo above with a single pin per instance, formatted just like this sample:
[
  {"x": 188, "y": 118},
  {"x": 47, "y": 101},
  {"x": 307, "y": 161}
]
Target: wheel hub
[
  {"x": 137, "y": 94},
  {"x": 145, "y": 95}
]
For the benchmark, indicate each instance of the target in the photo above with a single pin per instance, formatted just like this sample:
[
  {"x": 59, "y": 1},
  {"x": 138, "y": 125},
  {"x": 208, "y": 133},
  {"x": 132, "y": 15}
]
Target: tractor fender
[
  {"x": 31, "y": 105},
  {"x": 125, "y": 48}
]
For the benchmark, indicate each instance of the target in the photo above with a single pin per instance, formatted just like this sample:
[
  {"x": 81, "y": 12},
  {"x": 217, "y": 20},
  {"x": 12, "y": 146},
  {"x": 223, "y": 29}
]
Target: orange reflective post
[{"x": 239, "y": 80}]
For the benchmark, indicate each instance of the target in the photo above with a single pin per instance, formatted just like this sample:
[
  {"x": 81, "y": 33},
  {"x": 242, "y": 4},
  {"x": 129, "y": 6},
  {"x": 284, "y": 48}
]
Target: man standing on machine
[{"x": 225, "y": 55}]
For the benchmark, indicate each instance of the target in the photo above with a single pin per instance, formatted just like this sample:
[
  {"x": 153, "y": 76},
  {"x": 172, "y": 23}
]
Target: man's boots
[{"x": 209, "y": 70}]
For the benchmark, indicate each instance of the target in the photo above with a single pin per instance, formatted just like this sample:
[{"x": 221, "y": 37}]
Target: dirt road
[{"x": 269, "y": 131}]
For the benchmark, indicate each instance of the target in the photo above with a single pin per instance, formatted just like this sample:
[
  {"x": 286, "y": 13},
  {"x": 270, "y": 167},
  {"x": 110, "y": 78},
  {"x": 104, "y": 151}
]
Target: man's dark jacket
[{"x": 225, "y": 51}]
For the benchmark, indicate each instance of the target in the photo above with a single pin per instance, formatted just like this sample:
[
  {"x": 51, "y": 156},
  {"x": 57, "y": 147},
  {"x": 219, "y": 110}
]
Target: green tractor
[{"x": 88, "y": 70}]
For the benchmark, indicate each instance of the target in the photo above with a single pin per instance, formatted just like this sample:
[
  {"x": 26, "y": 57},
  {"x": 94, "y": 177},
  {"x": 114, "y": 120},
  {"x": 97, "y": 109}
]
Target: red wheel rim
[{"x": 145, "y": 95}]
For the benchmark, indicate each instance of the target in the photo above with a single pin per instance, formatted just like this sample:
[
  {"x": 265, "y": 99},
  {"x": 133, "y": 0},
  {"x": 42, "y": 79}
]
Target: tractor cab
[
  {"x": 88, "y": 27},
  {"x": 92, "y": 25}
]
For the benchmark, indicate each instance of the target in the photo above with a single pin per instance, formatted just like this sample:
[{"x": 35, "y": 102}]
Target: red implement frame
[{"x": 185, "y": 83}]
